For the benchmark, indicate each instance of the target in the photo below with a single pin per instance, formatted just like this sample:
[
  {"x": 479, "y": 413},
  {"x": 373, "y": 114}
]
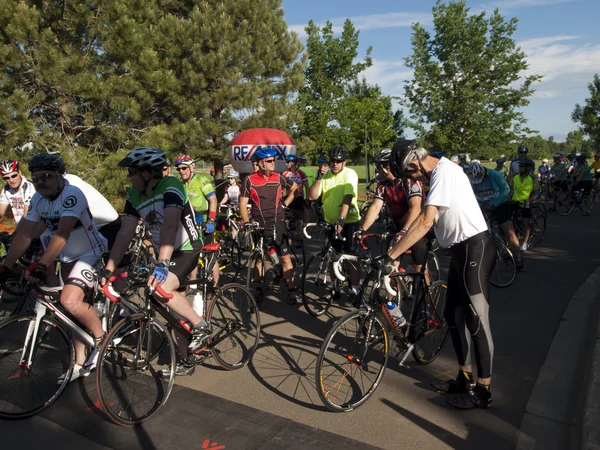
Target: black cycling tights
[{"x": 467, "y": 301}]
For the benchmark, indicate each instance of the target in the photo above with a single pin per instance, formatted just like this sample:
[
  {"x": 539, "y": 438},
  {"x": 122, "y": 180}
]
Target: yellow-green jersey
[
  {"x": 333, "y": 189},
  {"x": 522, "y": 187},
  {"x": 199, "y": 189}
]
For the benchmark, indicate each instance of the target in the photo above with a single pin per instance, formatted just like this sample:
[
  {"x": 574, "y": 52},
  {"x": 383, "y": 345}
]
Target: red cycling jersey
[{"x": 396, "y": 193}]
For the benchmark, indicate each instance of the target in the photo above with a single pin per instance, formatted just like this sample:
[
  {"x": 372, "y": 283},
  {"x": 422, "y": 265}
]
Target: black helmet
[
  {"x": 526, "y": 163},
  {"x": 145, "y": 157},
  {"x": 47, "y": 161},
  {"x": 581, "y": 156},
  {"x": 403, "y": 153},
  {"x": 382, "y": 156},
  {"x": 523, "y": 149},
  {"x": 338, "y": 152}
]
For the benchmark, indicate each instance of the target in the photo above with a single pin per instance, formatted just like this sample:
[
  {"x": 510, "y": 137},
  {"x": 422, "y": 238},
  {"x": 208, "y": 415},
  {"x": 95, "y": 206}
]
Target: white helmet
[
  {"x": 544, "y": 160},
  {"x": 476, "y": 172},
  {"x": 233, "y": 174},
  {"x": 143, "y": 157},
  {"x": 454, "y": 159}
]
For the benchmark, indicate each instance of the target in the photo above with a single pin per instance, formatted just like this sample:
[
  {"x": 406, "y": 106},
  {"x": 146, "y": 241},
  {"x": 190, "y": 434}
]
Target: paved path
[{"x": 276, "y": 392}]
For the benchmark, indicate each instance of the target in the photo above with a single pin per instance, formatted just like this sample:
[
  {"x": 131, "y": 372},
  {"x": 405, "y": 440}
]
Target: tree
[
  {"x": 330, "y": 71},
  {"x": 91, "y": 78},
  {"x": 577, "y": 142},
  {"x": 399, "y": 123},
  {"x": 463, "y": 97},
  {"x": 588, "y": 116},
  {"x": 538, "y": 147}
]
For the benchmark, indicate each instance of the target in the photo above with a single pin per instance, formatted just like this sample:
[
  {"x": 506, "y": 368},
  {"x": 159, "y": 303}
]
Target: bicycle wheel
[
  {"x": 433, "y": 266},
  {"x": 352, "y": 360},
  {"x": 235, "y": 322},
  {"x": 429, "y": 319},
  {"x": 564, "y": 204},
  {"x": 24, "y": 391},
  {"x": 318, "y": 285},
  {"x": 587, "y": 203},
  {"x": 505, "y": 269},
  {"x": 15, "y": 286},
  {"x": 130, "y": 385},
  {"x": 537, "y": 225}
]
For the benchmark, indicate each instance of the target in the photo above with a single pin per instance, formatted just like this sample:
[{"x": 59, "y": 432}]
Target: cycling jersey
[
  {"x": 493, "y": 189},
  {"x": 333, "y": 189},
  {"x": 266, "y": 196},
  {"x": 582, "y": 172},
  {"x": 199, "y": 189},
  {"x": 298, "y": 177},
  {"x": 544, "y": 170},
  {"x": 18, "y": 198},
  {"x": 396, "y": 194},
  {"x": 233, "y": 194},
  {"x": 102, "y": 211},
  {"x": 522, "y": 188},
  {"x": 502, "y": 171},
  {"x": 595, "y": 166},
  {"x": 559, "y": 171},
  {"x": 84, "y": 240},
  {"x": 168, "y": 193},
  {"x": 514, "y": 166}
]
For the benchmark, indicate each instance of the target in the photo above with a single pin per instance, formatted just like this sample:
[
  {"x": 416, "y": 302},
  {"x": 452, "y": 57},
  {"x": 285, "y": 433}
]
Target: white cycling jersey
[
  {"x": 102, "y": 210},
  {"x": 71, "y": 202},
  {"x": 18, "y": 198}
]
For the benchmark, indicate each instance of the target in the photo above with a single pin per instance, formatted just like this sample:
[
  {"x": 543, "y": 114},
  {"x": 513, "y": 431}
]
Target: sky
[{"x": 561, "y": 39}]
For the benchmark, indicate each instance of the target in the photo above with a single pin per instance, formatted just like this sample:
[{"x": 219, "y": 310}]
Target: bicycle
[
  {"x": 236, "y": 249},
  {"x": 36, "y": 350},
  {"x": 537, "y": 224},
  {"x": 505, "y": 268},
  {"x": 354, "y": 354},
  {"x": 567, "y": 201},
  {"x": 137, "y": 345}
]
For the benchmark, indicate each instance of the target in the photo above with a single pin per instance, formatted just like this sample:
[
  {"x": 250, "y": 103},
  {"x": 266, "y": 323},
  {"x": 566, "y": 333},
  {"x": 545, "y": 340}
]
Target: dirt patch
[{"x": 7, "y": 226}]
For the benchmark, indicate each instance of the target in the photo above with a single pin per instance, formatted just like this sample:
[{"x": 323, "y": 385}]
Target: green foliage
[
  {"x": 91, "y": 78},
  {"x": 462, "y": 97},
  {"x": 588, "y": 116}
]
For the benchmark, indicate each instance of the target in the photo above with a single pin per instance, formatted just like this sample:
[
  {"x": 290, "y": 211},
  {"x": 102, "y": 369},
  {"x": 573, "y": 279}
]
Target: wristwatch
[{"x": 164, "y": 263}]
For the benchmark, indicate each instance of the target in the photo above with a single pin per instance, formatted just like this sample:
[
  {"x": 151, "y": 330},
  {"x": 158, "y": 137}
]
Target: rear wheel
[
  {"x": 430, "y": 324},
  {"x": 537, "y": 225},
  {"x": 564, "y": 204},
  {"x": 319, "y": 285},
  {"x": 433, "y": 266},
  {"x": 505, "y": 268}
]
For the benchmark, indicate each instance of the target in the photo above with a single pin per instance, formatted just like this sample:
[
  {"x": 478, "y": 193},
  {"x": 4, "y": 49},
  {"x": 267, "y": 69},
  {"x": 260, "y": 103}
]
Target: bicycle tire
[
  {"x": 336, "y": 368},
  {"x": 436, "y": 332},
  {"x": 15, "y": 286},
  {"x": 537, "y": 226},
  {"x": 115, "y": 363},
  {"x": 318, "y": 286},
  {"x": 433, "y": 266},
  {"x": 505, "y": 268},
  {"x": 587, "y": 203},
  {"x": 564, "y": 204},
  {"x": 37, "y": 385},
  {"x": 238, "y": 314}
]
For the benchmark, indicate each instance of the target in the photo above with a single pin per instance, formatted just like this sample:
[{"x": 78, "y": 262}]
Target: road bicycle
[
  {"x": 354, "y": 354},
  {"x": 567, "y": 201},
  {"x": 537, "y": 223},
  {"x": 37, "y": 348},
  {"x": 136, "y": 364},
  {"x": 505, "y": 268}
]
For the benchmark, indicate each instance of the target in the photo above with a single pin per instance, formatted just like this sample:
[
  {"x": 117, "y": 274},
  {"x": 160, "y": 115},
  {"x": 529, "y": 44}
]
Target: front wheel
[
  {"x": 430, "y": 324},
  {"x": 25, "y": 391},
  {"x": 235, "y": 322},
  {"x": 319, "y": 285},
  {"x": 136, "y": 370},
  {"x": 433, "y": 267},
  {"x": 505, "y": 268},
  {"x": 352, "y": 360},
  {"x": 564, "y": 203}
]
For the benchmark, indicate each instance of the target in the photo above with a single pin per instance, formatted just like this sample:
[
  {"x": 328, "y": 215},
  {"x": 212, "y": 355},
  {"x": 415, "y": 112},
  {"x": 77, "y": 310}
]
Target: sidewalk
[{"x": 591, "y": 412}]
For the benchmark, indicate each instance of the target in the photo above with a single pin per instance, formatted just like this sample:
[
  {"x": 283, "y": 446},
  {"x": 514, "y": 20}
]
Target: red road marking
[{"x": 212, "y": 446}]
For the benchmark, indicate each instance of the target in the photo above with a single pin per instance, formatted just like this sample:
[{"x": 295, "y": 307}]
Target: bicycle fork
[{"x": 31, "y": 336}]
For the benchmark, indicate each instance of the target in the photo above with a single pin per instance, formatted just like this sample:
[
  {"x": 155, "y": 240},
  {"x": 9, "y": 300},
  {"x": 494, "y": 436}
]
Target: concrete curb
[
  {"x": 551, "y": 414},
  {"x": 591, "y": 412}
]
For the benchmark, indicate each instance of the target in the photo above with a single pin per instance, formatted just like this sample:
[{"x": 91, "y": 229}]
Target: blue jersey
[
  {"x": 543, "y": 170},
  {"x": 493, "y": 189},
  {"x": 514, "y": 166}
]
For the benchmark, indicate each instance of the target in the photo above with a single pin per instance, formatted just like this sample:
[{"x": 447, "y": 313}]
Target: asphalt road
[{"x": 404, "y": 412}]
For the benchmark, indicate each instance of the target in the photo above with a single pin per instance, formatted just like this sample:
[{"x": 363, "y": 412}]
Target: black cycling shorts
[
  {"x": 297, "y": 204},
  {"x": 525, "y": 212},
  {"x": 585, "y": 186},
  {"x": 502, "y": 213},
  {"x": 419, "y": 252},
  {"x": 185, "y": 261},
  {"x": 280, "y": 240}
]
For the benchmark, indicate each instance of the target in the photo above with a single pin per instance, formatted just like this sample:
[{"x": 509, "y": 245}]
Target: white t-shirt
[
  {"x": 71, "y": 202},
  {"x": 459, "y": 216},
  {"x": 18, "y": 198},
  {"x": 102, "y": 210}
]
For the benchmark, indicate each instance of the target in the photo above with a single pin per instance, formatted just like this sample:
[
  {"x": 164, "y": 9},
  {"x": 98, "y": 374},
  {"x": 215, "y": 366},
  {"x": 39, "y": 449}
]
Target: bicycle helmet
[
  {"x": 184, "y": 160},
  {"x": 581, "y": 156},
  {"x": 500, "y": 161},
  {"x": 292, "y": 158},
  {"x": 544, "y": 160},
  {"x": 302, "y": 159},
  {"x": 322, "y": 160},
  {"x": 403, "y": 152},
  {"x": 339, "y": 153},
  {"x": 454, "y": 159},
  {"x": 571, "y": 156},
  {"x": 264, "y": 153},
  {"x": 462, "y": 156},
  {"x": 437, "y": 155},
  {"x": 526, "y": 163},
  {"x": 523, "y": 148},
  {"x": 557, "y": 156},
  {"x": 476, "y": 172},
  {"x": 47, "y": 161},
  {"x": 142, "y": 157},
  {"x": 382, "y": 156},
  {"x": 8, "y": 166},
  {"x": 233, "y": 174}
]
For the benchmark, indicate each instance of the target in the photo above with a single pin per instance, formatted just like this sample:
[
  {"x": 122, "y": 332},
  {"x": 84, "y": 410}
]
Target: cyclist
[
  {"x": 232, "y": 192},
  {"x": 264, "y": 189},
  {"x": 337, "y": 185},
  {"x": 571, "y": 163},
  {"x": 17, "y": 192},
  {"x": 491, "y": 191},
  {"x": 462, "y": 161},
  {"x": 524, "y": 192},
  {"x": 75, "y": 241},
  {"x": 454, "y": 159},
  {"x": 163, "y": 203},
  {"x": 166, "y": 170},
  {"x": 582, "y": 177},
  {"x": 404, "y": 198},
  {"x": 500, "y": 167},
  {"x": 452, "y": 209},
  {"x": 559, "y": 173},
  {"x": 299, "y": 177},
  {"x": 513, "y": 170},
  {"x": 595, "y": 168},
  {"x": 544, "y": 169}
]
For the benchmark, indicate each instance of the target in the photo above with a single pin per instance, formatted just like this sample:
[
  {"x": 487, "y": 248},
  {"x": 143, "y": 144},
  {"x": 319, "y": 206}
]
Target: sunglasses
[
  {"x": 11, "y": 177},
  {"x": 335, "y": 161},
  {"x": 269, "y": 161},
  {"x": 181, "y": 169},
  {"x": 165, "y": 169},
  {"x": 42, "y": 178}
]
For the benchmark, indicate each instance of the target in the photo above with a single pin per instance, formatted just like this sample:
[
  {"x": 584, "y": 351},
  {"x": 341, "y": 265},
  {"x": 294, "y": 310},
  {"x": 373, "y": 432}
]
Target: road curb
[
  {"x": 590, "y": 436},
  {"x": 552, "y": 413}
]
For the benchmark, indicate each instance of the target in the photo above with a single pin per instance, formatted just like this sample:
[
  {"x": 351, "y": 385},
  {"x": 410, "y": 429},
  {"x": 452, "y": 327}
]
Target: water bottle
[
  {"x": 396, "y": 314},
  {"x": 273, "y": 256},
  {"x": 198, "y": 303},
  {"x": 99, "y": 307}
]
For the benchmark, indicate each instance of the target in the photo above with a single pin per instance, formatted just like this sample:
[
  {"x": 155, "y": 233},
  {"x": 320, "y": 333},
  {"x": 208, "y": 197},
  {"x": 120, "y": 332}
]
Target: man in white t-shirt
[{"x": 453, "y": 212}]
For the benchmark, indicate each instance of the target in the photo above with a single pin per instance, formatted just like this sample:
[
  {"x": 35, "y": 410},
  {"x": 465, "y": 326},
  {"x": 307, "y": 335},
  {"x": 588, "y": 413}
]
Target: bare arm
[
  {"x": 372, "y": 213},
  {"x": 415, "y": 209},
  {"x": 290, "y": 197},
  {"x": 212, "y": 205},
  {"x": 3, "y": 208},
  {"x": 20, "y": 242},
  {"x": 417, "y": 230}
]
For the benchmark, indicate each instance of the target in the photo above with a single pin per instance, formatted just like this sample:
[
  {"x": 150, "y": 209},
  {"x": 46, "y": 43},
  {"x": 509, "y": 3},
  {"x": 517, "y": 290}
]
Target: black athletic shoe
[
  {"x": 479, "y": 396},
  {"x": 183, "y": 368},
  {"x": 520, "y": 264},
  {"x": 461, "y": 384},
  {"x": 200, "y": 336},
  {"x": 292, "y": 297}
]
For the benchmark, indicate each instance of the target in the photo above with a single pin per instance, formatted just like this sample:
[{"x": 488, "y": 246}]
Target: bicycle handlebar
[{"x": 108, "y": 290}]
